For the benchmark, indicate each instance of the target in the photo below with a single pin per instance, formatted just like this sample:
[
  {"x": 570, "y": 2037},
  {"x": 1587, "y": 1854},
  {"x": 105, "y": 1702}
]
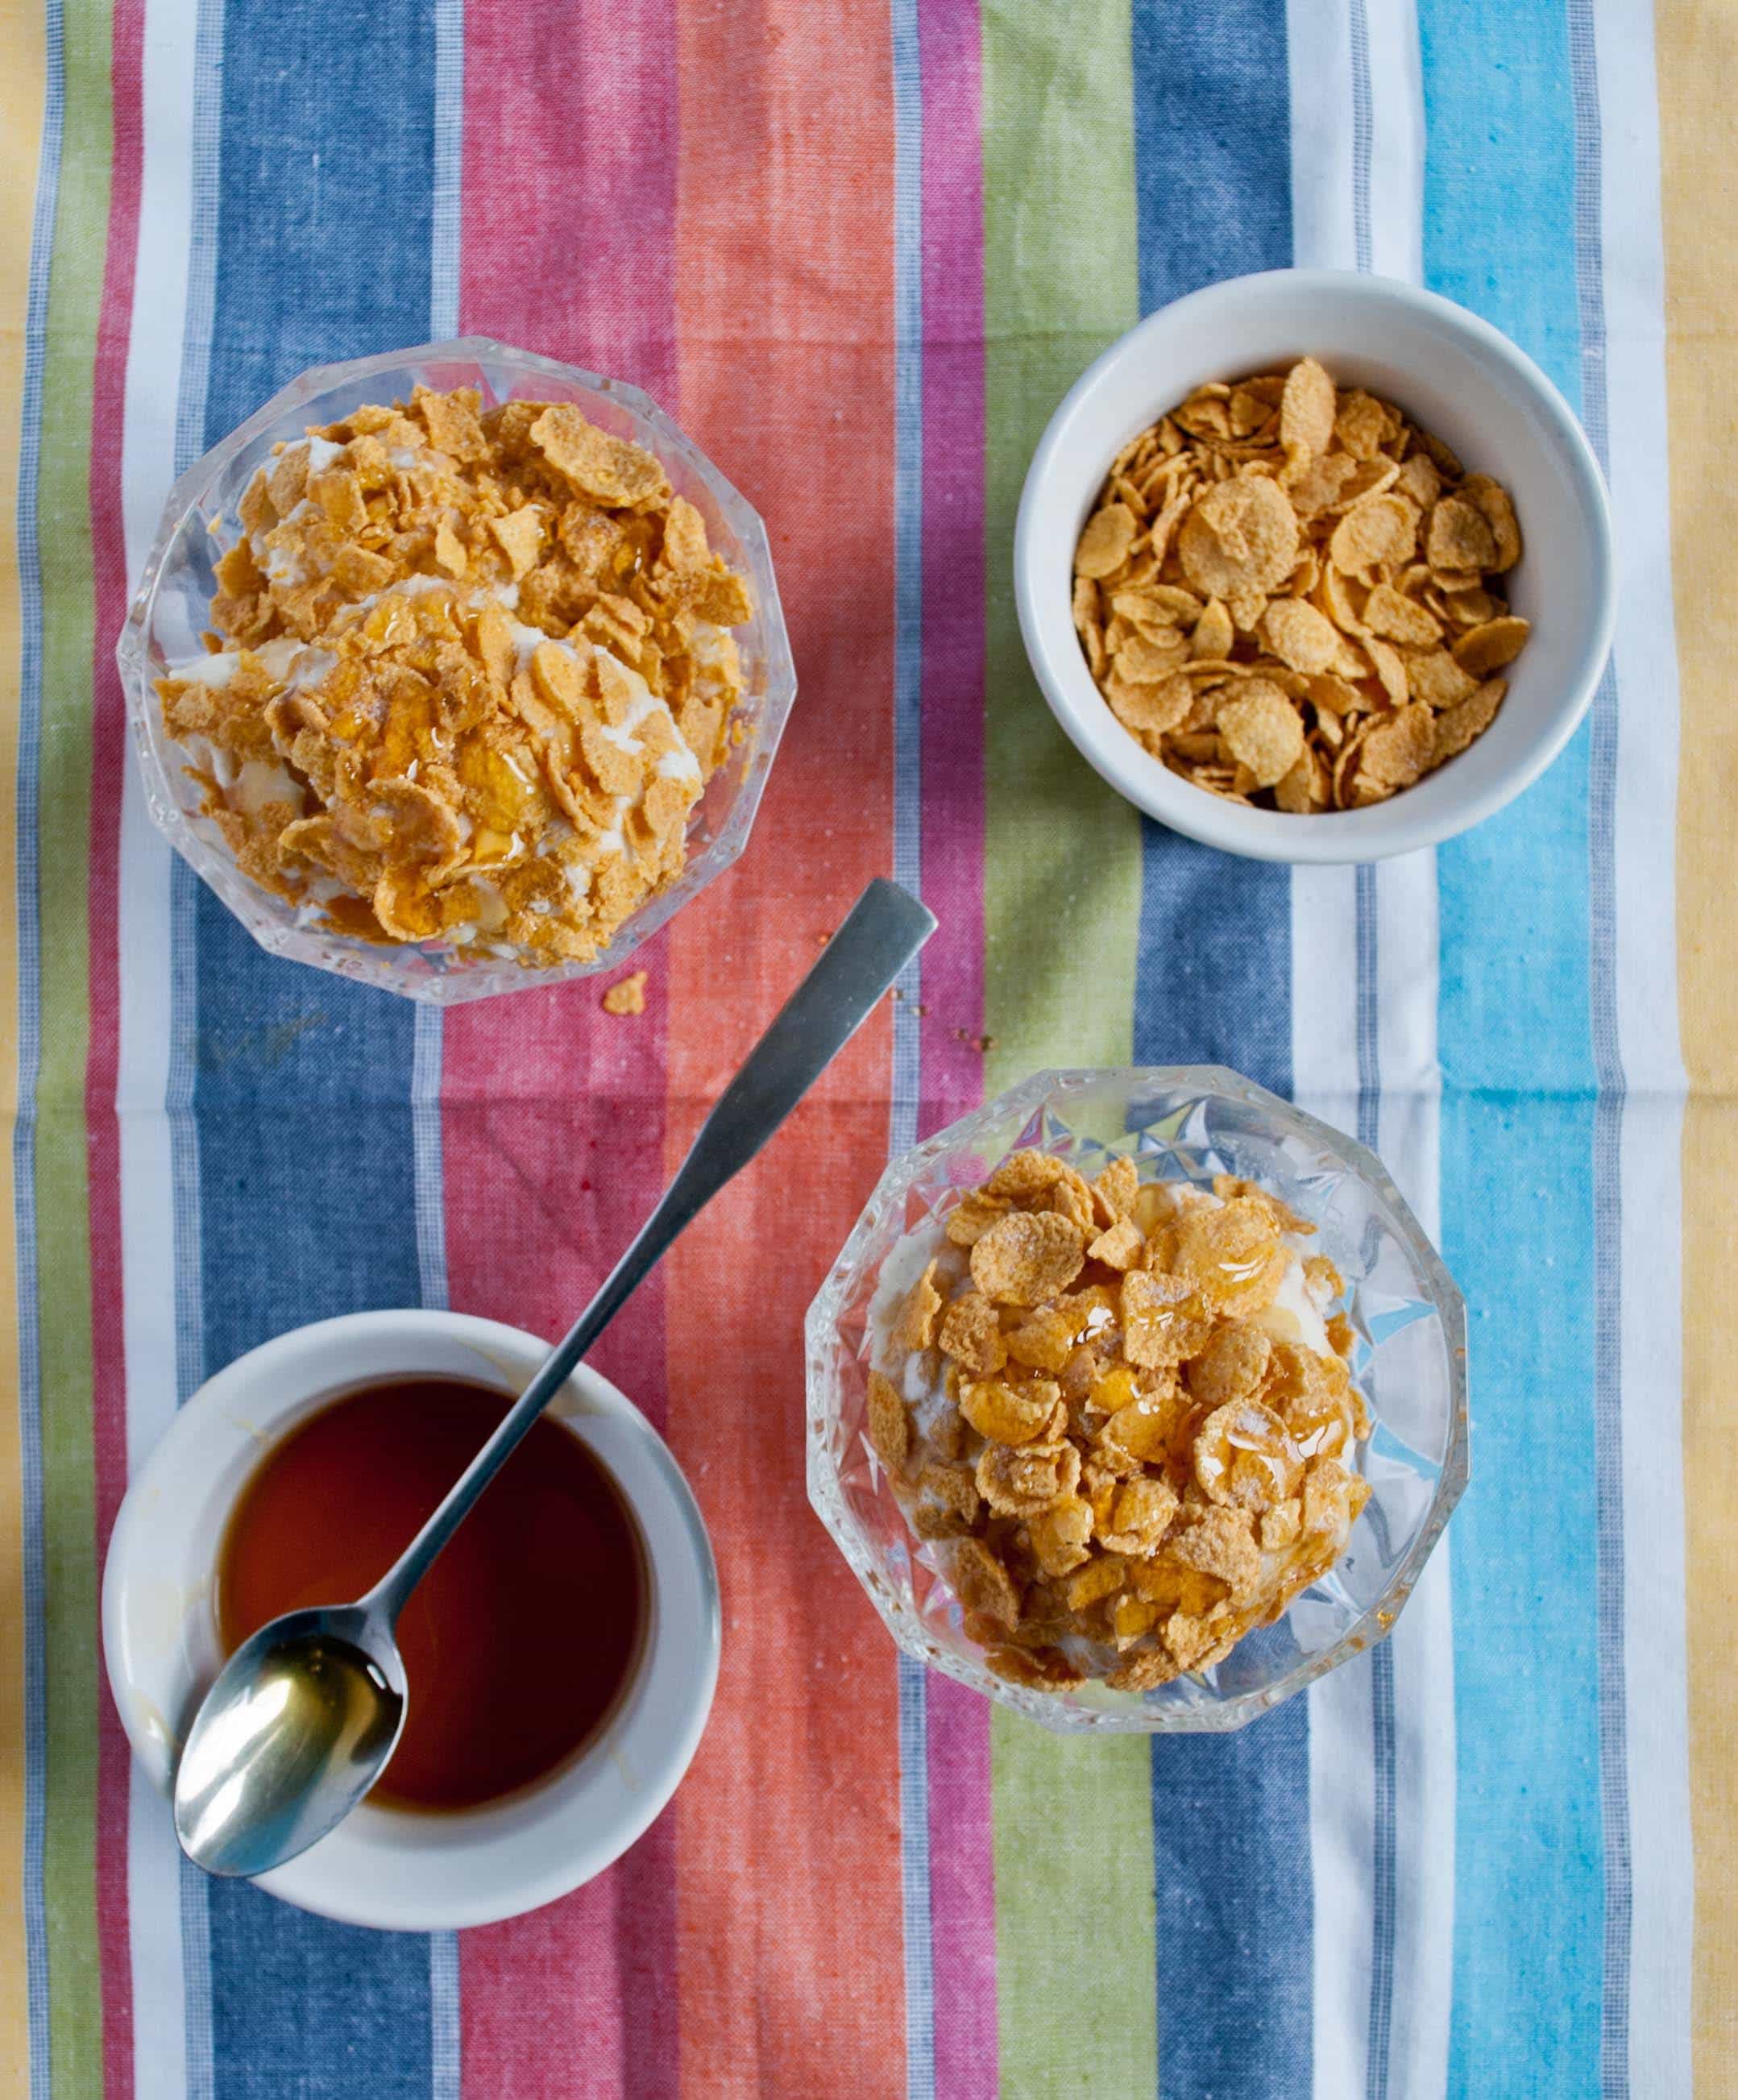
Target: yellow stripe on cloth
[
  {"x": 1697, "y": 56},
  {"x": 23, "y": 80}
]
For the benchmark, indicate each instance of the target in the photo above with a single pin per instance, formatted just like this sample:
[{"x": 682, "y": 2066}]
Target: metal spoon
[{"x": 304, "y": 1715}]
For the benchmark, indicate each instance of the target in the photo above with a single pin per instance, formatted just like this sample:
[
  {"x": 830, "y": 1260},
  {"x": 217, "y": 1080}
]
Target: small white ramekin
[
  {"x": 382, "y": 1867},
  {"x": 1457, "y": 376}
]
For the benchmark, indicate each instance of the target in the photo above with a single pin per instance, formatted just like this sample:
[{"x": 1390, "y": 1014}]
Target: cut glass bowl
[
  {"x": 169, "y": 613},
  {"x": 1409, "y": 1358}
]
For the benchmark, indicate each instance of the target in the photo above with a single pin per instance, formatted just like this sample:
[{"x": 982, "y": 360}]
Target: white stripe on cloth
[
  {"x": 1396, "y": 156},
  {"x": 1342, "y": 1804},
  {"x": 1413, "y": 1980},
  {"x": 1326, "y": 229},
  {"x": 1662, "y": 1921},
  {"x": 167, "y": 2056},
  {"x": 1319, "y": 38},
  {"x": 1421, "y": 1646},
  {"x": 1364, "y": 1058}
]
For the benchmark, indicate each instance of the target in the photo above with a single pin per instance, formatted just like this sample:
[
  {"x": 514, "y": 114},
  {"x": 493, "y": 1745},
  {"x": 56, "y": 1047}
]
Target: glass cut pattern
[
  {"x": 1410, "y": 1358},
  {"x": 168, "y": 614}
]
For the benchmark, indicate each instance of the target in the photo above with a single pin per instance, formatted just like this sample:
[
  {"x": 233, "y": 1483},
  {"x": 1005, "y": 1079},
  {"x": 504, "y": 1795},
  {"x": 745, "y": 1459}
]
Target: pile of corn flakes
[
  {"x": 479, "y": 669},
  {"x": 1285, "y": 593},
  {"x": 1101, "y": 1403}
]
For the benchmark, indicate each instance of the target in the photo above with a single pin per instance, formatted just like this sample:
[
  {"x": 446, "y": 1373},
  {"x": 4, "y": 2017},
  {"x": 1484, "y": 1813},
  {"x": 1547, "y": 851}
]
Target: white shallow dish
[
  {"x": 1457, "y": 376},
  {"x": 382, "y": 1867}
]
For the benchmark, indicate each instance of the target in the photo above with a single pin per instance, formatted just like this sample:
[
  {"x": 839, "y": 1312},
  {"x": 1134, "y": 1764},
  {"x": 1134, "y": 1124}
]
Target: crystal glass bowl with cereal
[
  {"x": 1137, "y": 1400},
  {"x": 1316, "y": 566},
  {"x": 456, "y": 670}
]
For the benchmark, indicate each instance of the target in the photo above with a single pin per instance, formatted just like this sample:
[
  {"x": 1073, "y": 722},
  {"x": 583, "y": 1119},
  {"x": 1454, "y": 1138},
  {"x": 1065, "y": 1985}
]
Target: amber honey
[{"x": 520, "y": 1641}]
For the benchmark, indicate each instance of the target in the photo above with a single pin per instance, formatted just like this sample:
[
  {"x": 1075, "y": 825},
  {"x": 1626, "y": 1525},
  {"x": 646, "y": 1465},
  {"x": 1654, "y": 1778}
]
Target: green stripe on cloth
[
  {"x": 1073, "y": 1816},
  {"x": 61, "y": 1206},
  {"x": 1061, "y": 280}
]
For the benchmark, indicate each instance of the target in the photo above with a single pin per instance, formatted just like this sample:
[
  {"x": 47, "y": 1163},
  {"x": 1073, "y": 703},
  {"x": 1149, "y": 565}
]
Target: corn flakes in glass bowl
[
  {"x": 1160, "y": 1139},
  {"x": 362, "y": 835}
]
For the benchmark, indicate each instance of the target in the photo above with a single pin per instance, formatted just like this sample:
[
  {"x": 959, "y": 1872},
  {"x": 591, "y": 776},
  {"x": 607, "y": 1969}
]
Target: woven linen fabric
[{"x": 860, "y": 251}]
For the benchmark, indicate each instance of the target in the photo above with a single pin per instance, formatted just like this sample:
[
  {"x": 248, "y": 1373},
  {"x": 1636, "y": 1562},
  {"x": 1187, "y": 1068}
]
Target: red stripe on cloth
[
  {"x": 553, "y": 1120},
  {"x": 109, "y": 759},
  {"x": 962, "y": 1872},
  {"x": 787, "y": 1857}
]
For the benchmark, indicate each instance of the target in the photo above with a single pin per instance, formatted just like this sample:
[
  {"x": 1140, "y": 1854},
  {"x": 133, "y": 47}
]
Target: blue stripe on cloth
[
  {"x": 1212, "y": 143},
  {"x": 1230, "y": 1814},
  {"x": 446, "y": 2048},
  {"x": 28, "y": 934},
  {"x": 1607, "y": 1177},
  {"x": 1384, "y": 1835},
  {"x": 307, "y": 1198},
  {"x": 1518, "y": 1144},
  {"x": 1384, "y": 1830},
  {"x": 908, "y": 649},
  {"x": 428, "y": 1170},
  {"x": 913, "y": 1855}
]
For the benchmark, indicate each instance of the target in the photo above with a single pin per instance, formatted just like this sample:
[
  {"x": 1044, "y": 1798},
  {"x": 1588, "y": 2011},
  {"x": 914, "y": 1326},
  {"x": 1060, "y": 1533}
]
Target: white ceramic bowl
[
  {"x": 411, "y": 1872},
  {"x": 1455, "y": 375}
]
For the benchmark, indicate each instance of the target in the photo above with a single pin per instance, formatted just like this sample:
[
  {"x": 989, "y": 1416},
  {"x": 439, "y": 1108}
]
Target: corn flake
[
  {"x": 1303, "y": 638},
  {"x": 1061, "y": 1533},
  {"x": 1025, "y": 1257},
  {"x": 889, "y": 1427},
  {"x": 922, "y": 1308},
  {"x": 972, "y": 1335},
  {"x": 1241, "y": 536},
  {"x": 1490, "y": 646},
  {"x": 1021, "y": 1482},
  {"x": 628, "y": 995},
  {"x": 1231, "y": 1365},
  {"x": 1105, "y": 544},
  {"x": 982, "y": 1583},
  {"x": 1008, "y": 1414},
  {"x": 1306, "y": 412},
  {"x": 1262, "y": 731}
]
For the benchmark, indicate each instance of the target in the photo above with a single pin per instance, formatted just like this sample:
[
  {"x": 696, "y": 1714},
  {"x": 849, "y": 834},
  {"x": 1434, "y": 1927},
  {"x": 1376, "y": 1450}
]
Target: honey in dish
[{"x": 520, "y": 1640}]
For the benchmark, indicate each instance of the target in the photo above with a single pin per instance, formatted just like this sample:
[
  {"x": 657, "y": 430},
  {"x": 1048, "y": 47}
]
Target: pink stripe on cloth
[
  {"x": 578, "y": 1999},
  {"x": 553, "y": 1112},
  {"x": 953, "y": 560},
  {"x": 573, "y": 161},
  {"x": 108, "y": 761},
  {"x": 962, "y": 1892},
  {"x": 962, "y": 1874}
]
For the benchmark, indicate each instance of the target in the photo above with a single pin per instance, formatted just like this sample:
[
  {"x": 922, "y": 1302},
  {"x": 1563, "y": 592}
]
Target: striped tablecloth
[{"x": 860, "y": 250}]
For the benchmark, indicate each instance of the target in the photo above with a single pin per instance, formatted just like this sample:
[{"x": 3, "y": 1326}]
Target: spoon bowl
[{"x": 296, "y": 1729}]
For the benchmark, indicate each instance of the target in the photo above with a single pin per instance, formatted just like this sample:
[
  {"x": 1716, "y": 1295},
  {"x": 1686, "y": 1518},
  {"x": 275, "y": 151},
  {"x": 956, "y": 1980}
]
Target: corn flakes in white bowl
[{"x": 1452, "y": 375}]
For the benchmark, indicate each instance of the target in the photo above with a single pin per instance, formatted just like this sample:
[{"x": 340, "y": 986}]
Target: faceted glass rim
[
  {"x": 1052, "y": 1088},
  {"x": 407, "y": 970}
]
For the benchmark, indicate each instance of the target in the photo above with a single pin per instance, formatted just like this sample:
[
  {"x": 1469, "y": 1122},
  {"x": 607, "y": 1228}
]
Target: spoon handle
[{"x": 885, "y": 928}]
